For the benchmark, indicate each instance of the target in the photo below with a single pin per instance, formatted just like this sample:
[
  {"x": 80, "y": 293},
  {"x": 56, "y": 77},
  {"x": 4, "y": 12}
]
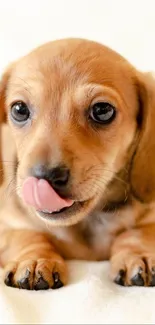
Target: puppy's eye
[
  {"x": 20, "y": 112},
  {"x": 102, "y": 113}
]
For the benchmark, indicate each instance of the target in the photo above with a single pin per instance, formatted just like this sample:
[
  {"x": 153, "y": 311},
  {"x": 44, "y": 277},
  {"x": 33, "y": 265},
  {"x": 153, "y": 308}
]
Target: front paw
[
  {"x": 40, "y": 274},
  {"x": 133, "y": 269}
]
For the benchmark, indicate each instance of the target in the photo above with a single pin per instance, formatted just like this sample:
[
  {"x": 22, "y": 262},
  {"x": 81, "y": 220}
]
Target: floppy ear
[
  {"x": 143, "y": 164},
  {"x": 3, "y": 87},
  {"x": 3, "y": 83}
]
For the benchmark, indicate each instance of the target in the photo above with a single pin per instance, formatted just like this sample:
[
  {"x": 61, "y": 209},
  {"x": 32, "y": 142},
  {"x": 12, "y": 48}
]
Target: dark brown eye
[
  {"x": 20, "y": 112},
  {"x": 102, "y": 113}
]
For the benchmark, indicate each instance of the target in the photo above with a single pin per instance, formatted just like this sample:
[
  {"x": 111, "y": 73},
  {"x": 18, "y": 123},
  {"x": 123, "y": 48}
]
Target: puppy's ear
[
  {"x": 3, "y": 87},
  {"x": 3, "y": 83},
  {"x": 143, "y": 164}
]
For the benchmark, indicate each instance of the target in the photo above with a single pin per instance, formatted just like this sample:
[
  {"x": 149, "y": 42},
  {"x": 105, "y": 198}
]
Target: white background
[{"x": 127, "y": 26}]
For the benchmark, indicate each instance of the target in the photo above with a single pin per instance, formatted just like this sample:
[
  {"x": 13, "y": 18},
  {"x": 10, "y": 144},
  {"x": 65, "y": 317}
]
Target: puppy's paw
[
  {"x": 133, "y": 270},
  {"x": 40, "y": 274}
]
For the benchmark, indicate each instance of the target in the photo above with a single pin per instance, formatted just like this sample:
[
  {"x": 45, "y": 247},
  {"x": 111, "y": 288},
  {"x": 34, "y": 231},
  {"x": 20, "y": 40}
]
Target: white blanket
[{"x": 89, "y": 298}]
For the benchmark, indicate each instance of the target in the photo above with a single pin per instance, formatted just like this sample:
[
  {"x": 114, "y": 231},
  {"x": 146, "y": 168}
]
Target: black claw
[
  {"x": 24, "y": 282},
  {"x": 138, "y": 280},
  {"x": 9, "y": 279},
  {"x": 57, "y": 282},
  {"x": 41, "y": 284},
  {"x": 152, "y": 281},
  {"x": 120, "y": 278}
]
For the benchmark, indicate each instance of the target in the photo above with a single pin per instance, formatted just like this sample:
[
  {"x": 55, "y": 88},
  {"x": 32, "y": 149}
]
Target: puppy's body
[{"x": 107, "y": 199}]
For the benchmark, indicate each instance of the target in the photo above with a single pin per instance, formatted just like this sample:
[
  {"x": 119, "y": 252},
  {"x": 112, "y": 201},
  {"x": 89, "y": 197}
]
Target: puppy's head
[{"x": 77, "y": 111}]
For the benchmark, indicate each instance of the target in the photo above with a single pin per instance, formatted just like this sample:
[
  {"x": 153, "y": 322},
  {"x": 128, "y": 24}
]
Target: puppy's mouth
[
  {"x": 48, "y": 204},
  {"x": 55, "y": 212},
  {"x": 62, "y": 214}
]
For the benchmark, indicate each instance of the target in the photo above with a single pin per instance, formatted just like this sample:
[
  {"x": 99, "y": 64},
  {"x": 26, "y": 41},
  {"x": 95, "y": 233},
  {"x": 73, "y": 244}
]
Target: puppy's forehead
[
  {"x": 63, "y": 65},
  {"x": 74, "y": 59}
]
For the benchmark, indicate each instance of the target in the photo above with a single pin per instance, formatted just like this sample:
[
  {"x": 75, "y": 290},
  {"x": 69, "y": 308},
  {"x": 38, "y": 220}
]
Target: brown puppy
[{"x": 82, "y": 169}]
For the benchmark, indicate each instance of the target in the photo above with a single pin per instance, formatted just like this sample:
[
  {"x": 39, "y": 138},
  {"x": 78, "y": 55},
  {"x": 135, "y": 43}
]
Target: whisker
[
  {"x": 8, "y": 191},
  {"x": 27, "y": 87}
]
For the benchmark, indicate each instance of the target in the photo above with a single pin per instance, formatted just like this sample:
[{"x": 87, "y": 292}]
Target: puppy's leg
[
  {"x": 133, "y": 257},
  {"x": 30, "y": 261}
]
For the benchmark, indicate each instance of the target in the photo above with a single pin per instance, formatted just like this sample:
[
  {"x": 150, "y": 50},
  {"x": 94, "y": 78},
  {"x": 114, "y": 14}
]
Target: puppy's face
[{"x": 72, "y": 106}]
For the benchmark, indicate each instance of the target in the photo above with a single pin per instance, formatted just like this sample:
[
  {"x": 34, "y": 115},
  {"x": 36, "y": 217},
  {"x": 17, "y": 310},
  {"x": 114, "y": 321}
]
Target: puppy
[{"x": 78, "y": 159}]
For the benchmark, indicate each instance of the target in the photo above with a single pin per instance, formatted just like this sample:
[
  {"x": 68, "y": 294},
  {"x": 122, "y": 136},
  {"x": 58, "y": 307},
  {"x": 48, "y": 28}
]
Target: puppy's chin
[{"x": 69, "y": 216}]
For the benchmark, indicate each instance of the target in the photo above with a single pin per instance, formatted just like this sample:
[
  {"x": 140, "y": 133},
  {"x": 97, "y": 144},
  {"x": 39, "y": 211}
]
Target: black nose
[{"x": 57, "y": 177}]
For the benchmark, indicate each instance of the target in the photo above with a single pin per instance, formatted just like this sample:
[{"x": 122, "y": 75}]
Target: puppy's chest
[{"x": 92, "y": 238}]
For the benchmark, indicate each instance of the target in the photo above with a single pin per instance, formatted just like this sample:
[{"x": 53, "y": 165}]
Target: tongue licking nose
[{"x": 39, "y": 194}]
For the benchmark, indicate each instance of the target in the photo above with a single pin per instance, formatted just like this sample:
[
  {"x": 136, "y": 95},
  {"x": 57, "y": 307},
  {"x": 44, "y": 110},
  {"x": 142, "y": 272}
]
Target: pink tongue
[{"x": 40, "y": 195}]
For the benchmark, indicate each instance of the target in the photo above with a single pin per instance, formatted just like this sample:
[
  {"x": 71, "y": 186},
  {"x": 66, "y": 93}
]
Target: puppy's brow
[
  {"x": 87, "y": 91},
  {"x": 27, "y": 87},
  {"x": 25, "y": 83},
  {"x": 91, "y": 90}
]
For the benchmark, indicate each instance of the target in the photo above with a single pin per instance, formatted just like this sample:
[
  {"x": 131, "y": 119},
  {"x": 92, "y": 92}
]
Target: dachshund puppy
[{"x": 78, "y": 156}]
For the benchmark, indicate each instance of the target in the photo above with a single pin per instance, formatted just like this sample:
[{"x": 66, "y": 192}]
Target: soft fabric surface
[{"x": 89, "y": 298}]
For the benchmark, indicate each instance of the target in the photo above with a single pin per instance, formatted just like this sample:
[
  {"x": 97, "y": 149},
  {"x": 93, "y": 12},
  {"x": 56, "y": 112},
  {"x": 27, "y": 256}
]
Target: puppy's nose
[{"x": 57, "y": 177}]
